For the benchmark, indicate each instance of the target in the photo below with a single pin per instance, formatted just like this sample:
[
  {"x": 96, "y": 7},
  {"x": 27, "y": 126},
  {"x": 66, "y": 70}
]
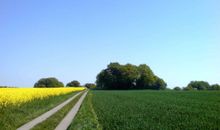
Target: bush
[
  {"x": 48, "y": 83},
  {"x": 73, "y": 83},
  {"x": 128, "y": 76}
]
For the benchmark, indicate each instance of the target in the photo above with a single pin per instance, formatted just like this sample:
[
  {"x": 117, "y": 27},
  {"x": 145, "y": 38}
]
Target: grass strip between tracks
[{"x": 54, "y": 120}]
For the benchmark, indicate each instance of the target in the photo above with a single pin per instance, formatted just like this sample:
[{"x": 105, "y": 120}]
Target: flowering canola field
[{"x": 18, "y": 96}]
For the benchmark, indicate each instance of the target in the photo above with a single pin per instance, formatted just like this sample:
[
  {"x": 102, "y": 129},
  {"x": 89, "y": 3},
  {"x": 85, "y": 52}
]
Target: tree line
[
  {"x": 128, "y": 76},
  {"x": 53, "y": 82},
  {"x": 199, "y": 85}
]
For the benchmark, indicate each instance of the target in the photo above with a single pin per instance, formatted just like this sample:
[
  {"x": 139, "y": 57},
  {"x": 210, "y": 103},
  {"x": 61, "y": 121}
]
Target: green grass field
[
  {"x": 13, "y": 117},
  {"x": 132, "y": 110}
]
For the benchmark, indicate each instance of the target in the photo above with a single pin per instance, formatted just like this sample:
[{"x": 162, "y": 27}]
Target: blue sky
[{"x": 179, "y": 40}]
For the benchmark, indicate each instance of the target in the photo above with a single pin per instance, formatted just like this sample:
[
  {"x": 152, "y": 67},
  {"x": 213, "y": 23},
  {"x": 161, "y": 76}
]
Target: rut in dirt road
[
  {"x": 46, "y": 115},
  {"x": 67, "y": 120}
]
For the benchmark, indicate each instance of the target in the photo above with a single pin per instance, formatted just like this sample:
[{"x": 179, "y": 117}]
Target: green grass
[
  {"x": 54, "y": 120},
  {"x": 156, "y": 110},
  {"x": 13, "y": 117},
  {"x": 86, "y": 118}
]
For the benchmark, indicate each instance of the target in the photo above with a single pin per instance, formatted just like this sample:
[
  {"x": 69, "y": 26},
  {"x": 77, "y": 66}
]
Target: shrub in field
[
  {"x": 129, "y": 76},
  {"x": 73, "y": 83},
  {"x": 48, "y": 83}
]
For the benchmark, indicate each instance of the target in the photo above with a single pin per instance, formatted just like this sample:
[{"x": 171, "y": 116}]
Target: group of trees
[
  {"x": 117, "y": 76},
  {"x": 129, "y": 76},
  {"x": 52, "y": 82},
  {"x": 73, "y": 83},
  {"x": 199, "y": 85},
  {"x": 48, "y": 83}
]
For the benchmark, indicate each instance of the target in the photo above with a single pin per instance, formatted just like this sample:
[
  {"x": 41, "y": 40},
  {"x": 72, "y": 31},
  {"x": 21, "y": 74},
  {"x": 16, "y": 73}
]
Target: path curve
[
  {"x": 46, "y": 115},
  {"x": 67, "y": 120}
]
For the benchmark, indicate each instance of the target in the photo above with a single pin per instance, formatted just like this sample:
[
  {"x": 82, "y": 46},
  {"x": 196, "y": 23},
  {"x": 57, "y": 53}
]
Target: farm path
[
  {"x": 67, "y": 120},
  {"x": 46, "y": 115}
]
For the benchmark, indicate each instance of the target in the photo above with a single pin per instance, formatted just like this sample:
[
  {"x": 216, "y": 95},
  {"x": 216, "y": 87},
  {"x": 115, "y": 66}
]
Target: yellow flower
[{"x": 17, "y": 96}]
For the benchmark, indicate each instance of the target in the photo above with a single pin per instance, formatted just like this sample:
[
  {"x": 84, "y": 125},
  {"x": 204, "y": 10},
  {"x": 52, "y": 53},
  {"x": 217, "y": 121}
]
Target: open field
[
  {"x": 20, "y": 105},
  {"x": 131, "y": 110},
  {"x": 114, "y": 110}
]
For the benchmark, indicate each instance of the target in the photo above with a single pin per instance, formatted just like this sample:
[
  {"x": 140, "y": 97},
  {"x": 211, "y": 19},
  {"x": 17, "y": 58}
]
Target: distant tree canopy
[
  {"x": 198, "y": 85},
  {"x": 73, "y": 83},
  {"x": 201, "y": 85},
  {"x": 3, "y": 86},
  {"x": 177, "y": 88},
  {"x": 214, "y": 87},
  {"x": 187, "y": 88},
  {"x": 7, "y": 87},
  {"x": 129, "y": 76},
  {"x": 90, "y": 85},
  {"x": 48, "y": 83}
]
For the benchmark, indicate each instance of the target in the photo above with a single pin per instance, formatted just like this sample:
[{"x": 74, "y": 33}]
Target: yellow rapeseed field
[{"x": 17, "y": 96}]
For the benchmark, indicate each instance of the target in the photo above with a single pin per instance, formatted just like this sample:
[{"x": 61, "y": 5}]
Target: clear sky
[{"x": 76, "y": 39}]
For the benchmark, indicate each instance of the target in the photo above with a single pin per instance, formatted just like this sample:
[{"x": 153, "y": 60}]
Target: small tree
[
  {"x": 73, "y": 83},
  {"x": 177, "y": 88},
  {"x": 50, "y": 82},
  {"x": 90, "y": 85}
]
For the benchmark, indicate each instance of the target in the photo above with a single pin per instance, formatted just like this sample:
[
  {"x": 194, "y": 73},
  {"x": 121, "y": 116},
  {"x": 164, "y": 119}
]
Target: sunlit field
[
  {"x": 149, "y": 110},
  {"x": 20, "y": 105}
]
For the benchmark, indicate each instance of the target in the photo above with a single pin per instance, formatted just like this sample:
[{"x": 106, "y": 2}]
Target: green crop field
[{"x": 144, "y": 110}]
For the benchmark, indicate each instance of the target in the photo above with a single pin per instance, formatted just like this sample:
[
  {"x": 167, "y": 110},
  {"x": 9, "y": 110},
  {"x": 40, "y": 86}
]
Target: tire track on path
[
  {"x": 46, "y": 115},
  {"x": 67, "y": 120}
]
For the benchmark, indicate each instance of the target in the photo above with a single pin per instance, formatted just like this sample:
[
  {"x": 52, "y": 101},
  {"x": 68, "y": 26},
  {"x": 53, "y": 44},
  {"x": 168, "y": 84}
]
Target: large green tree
[
  {"x": 50, "y": 82},
  {"x": 128, "y": 76}
]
